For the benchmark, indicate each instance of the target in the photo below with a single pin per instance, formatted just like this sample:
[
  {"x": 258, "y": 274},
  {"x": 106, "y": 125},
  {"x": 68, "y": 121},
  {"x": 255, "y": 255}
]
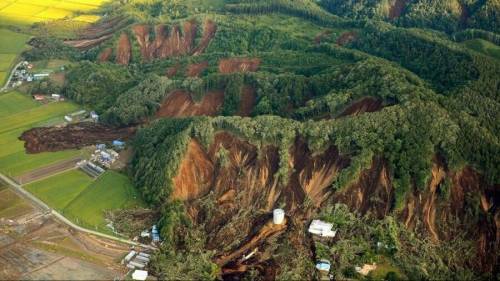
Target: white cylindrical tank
[{"x": 278, "y": 216}]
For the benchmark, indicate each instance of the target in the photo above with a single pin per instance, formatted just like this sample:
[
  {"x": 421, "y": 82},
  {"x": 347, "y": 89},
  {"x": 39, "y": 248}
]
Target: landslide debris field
[
  {"x": 379, "y": 118},
  {"x": 34, "y": 246},
  {"x": 73, "y": 136}
]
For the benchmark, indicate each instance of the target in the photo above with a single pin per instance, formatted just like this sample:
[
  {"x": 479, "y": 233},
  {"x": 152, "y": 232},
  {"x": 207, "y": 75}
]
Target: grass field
[
  {"x": 484, "y": 47},
  {"x": 25, "y": 12},
  {"x": 17, "y": 114},
  {"x": 58, "y": 191},
  {"x": 11, "y": 45},
  {"x": 85, "y": 201}
]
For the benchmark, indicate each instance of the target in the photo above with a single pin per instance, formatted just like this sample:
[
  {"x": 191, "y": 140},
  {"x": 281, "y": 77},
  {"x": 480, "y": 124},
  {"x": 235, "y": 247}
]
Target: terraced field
[
  {"x": 19, "y": 113},
  {"x": 31, "y": 11}
]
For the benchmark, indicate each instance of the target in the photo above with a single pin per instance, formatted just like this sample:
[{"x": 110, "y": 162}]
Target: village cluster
[{"x": 23, "y": 73}]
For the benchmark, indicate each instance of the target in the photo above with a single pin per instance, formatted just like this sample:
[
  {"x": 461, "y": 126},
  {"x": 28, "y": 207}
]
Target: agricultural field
[
  {"x": 83, "y": 200},
  {"x": 11, "y": 204},
  {"x": 26, "y": 12},
  {"x": 11, "y": 45},
  {"x": 19, "y": 113}
]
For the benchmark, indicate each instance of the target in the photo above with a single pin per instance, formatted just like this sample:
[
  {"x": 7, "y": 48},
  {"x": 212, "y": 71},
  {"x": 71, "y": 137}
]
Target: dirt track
[{"x": 74, "y": 136}]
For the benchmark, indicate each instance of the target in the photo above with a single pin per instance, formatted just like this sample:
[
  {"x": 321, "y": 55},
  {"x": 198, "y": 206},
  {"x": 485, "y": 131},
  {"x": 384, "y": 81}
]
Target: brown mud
[
  {"x": 195, "y": 69},
  {"x": 367, "y": 104},
  {"x": 397, "y": 9},
  {"x": 232, "y": 65},
  {"x": 74, "y": 136},
  {"x": 346, "y": 38},
  {"x": 123, "y": 50},
  {"x": 239, "y": 179},
  {"x": 180, "y": 103}
]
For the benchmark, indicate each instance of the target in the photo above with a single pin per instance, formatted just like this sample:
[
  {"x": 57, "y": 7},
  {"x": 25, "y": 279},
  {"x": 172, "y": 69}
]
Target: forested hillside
[{"x": 381, "y": 117}]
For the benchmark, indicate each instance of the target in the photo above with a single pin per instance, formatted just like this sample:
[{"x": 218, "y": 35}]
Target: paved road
[
  {"x": 20, "y": 190},
  {"x": 6, "y": 86}
]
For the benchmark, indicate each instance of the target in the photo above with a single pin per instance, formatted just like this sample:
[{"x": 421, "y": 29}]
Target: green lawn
[
  {"x": 19, "y": 113},
  {"x": 58, "y": 191},
  {"x": 109, "y": 192}
]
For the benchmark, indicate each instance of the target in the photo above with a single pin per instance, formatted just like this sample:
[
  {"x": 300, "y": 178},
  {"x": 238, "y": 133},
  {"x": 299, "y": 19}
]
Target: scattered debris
[
  {"x": 140, "y": 275},
  {"x": 322, "y": 229},
  {"x": 365, "y": 269}
]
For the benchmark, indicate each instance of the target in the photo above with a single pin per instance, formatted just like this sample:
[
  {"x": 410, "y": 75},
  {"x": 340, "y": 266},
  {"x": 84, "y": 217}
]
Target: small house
[
  {"x": 39, "y": 97},
  {"x": 101, "y": 146},
  {"x": 145, "y": 234},
  {"x": 56, "y": 97},
  {"x": 68, "y": 118},
  {"x": 322, "y": 229}
]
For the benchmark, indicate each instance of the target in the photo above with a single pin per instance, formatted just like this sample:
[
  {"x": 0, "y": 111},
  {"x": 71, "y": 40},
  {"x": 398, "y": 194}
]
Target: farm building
[
  {"x": 140, "y": 275},
  {"x": 90, "y": 168},
  {"x": 40, "y": 76}
]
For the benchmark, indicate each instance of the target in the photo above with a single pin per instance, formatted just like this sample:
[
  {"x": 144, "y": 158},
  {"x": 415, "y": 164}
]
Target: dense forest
[{"x": 376, "y": 116}]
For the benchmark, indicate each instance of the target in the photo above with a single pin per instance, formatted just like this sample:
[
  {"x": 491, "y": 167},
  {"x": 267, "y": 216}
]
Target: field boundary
[{"x": 39, "y": 203}]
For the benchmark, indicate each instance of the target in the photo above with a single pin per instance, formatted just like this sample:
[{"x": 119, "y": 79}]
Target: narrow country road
[
  {"x": 21, "y": 191},
  {"x": 6, "y": 86}
]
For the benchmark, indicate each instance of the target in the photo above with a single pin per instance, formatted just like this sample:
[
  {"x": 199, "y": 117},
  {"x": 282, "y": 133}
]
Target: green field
[
  {"x": 83, "y": 200},
  {"x": 483, "y": 47},
  {"x": 25, "y": 12},
  {"x": 17, "y": 114},
  {"x": 11, "y": 45},
  {"x": 58, "y": 191}
]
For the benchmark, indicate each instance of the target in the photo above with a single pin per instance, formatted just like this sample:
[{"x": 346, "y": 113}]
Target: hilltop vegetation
[{"x": 379, "y": 116}]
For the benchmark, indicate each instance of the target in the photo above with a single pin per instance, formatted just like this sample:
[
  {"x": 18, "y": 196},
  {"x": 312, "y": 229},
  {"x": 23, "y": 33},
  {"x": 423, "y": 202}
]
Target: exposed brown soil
[
  {"x": 172, "y": 71},
  {"x": 318, "y": 38},
  {"x": 397, "y": 9},
  {"x": 103, "y": 27},
  {"x": 124, "y": 50},
  {"x": 346, "y": 38},
  {"x": 73, "y": 136},
  {"x": 97, "y": 33},
  {"x": 180, "y": 104},
  {"x": 374, "y": 182},
  {"x": 84, "y": 44},
  {"x": 209, "y": 31},
  {"x": 367, "y": 104},
  {"x": 232, "y": 65},
  {"x": 239, "y": 178},
  {"x": 247, "y": 101},
  {"x": 244, "y": 186},
  {"x": 167, "y": 42},
  {"x": 194, "y": 70},
  {"x": 105, "y": 55},
  {"x": 464, "y": 15}
]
